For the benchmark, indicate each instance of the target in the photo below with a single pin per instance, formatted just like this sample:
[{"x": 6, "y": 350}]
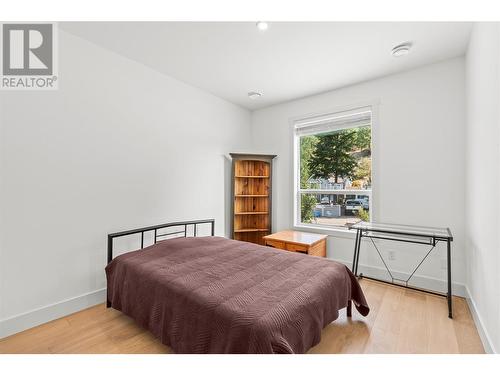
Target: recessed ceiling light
[
  {"x": 254, "y": 95},
  {"x": 262, "y": 26},
  {"x": 401, "y": 49}
]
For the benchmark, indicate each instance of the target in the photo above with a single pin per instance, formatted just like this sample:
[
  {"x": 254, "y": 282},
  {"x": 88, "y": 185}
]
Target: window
[{"x": 333, "y": 169}]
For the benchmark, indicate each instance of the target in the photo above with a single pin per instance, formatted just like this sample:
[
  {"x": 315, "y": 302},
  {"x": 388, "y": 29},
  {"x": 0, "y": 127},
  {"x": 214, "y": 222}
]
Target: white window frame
[{"x": 330, "y": 229}]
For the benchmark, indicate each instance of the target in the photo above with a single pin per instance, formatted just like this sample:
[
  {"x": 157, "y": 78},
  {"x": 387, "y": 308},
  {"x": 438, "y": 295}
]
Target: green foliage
[
  {"x": 363, "y": 215},
  {"x": 340, "y": 153},
  {"x": 332, "y": 156},
  {"x": 363, "y": 170},
  {"x": 363, "y": 138},
  {"x": 307, "y": 204},
  {"x": 307, "y": 147}
]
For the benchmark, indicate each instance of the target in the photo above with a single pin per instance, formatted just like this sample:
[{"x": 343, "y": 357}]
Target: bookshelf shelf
[
  {"x": 246, "y": 230},
  {"x": 251, "y": 176},
  {"x": 251, "y": 195}
]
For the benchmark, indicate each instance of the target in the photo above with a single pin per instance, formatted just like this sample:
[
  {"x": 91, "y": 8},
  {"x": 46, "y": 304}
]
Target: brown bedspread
[{"x": 214, "y": 295}]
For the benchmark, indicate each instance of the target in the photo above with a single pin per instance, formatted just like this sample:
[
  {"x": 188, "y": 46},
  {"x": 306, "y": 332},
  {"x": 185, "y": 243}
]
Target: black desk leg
[
  {"x": 448, "y": 256},
  {"x": 355, "y": 252}
]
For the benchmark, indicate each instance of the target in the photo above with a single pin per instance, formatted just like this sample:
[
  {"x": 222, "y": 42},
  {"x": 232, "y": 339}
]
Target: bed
[{"x": 214, "y": 295}]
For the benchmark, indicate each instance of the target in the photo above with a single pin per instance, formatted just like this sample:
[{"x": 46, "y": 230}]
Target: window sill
[{"x": 333, "y": 232}]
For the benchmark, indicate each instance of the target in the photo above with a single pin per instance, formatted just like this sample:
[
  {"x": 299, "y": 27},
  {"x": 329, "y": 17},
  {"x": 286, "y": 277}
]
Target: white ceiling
[{"x": 288, "y": 61}]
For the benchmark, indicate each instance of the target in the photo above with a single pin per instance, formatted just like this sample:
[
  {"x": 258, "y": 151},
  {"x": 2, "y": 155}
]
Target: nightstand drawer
[
  {"x": 276, "y": 244},
  {"x": 294, "y": 247}
]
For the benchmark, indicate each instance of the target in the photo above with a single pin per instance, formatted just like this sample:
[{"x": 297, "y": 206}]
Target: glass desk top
[{"x": 400, "y": 229}]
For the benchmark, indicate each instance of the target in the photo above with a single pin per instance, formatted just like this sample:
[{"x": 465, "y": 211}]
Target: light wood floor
[{"x": 400, "y": 321}]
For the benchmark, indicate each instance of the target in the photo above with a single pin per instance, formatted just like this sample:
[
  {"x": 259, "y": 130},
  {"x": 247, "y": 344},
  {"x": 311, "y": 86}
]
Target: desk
[{"x": 404, "y": 233}]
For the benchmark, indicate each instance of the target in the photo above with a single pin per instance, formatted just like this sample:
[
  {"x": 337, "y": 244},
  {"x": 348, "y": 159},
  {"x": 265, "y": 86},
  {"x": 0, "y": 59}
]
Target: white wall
[
  {"x": 482, "y": 177},
  {"x": 118, "y": 146},
  {"x": 418, "y": 156}
]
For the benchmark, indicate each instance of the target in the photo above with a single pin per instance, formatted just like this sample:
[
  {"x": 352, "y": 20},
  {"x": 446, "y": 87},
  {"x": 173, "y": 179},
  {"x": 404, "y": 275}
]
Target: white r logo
[{"x": 27, "y": 49}]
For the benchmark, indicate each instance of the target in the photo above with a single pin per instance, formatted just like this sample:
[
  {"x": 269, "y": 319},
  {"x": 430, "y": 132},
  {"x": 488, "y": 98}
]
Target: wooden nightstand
[{"x": 301, "y": 242}]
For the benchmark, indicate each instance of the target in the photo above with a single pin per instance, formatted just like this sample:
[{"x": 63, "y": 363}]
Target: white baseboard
[
  {"x": 419, "y": 281},
  {"x": 481, "y": 329},
  {"x": 33, "y": 318}
]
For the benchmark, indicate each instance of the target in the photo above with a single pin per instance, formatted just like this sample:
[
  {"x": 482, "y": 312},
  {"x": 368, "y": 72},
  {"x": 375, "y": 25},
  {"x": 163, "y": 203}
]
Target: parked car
[
  {"x": 325, "y": 200},
  {"x": 353, "y": 205},
  {"x": 365, "y": 203}
]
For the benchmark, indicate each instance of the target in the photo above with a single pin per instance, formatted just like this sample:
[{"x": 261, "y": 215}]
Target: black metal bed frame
[{"x": 155, "y": 228}]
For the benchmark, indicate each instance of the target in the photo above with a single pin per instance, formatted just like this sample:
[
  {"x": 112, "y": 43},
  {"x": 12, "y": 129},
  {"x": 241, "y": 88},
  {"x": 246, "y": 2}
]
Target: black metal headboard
[{"x": 155, "y": 228}]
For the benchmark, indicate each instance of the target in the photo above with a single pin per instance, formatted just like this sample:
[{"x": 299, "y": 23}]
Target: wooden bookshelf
[{"x": 251, "y": 197}]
